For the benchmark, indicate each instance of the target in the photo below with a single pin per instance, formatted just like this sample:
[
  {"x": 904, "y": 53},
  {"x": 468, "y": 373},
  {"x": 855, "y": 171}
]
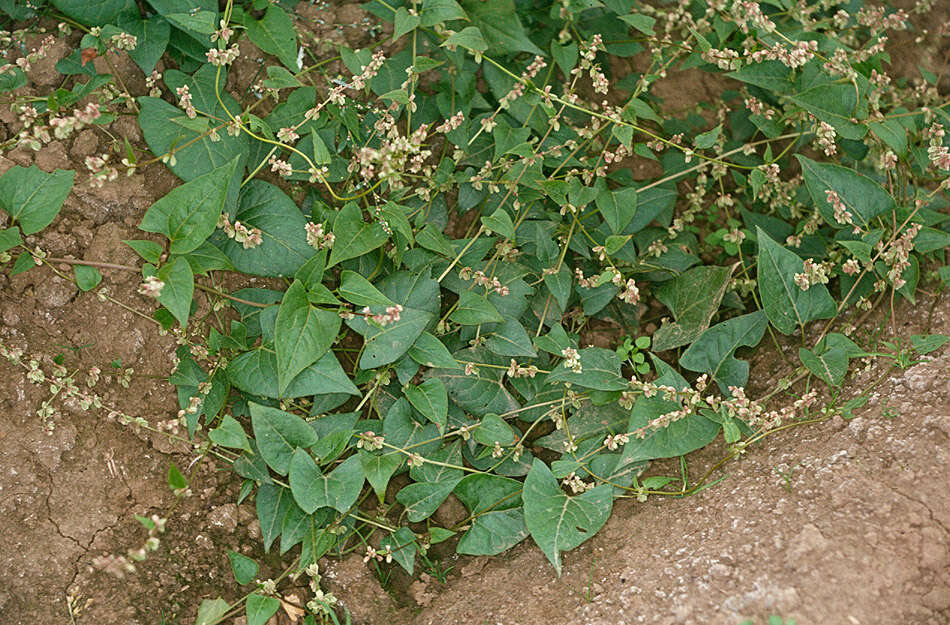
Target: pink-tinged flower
[
  {"x": 151, "y": 287},
  {"x": 572, "y": 359}
]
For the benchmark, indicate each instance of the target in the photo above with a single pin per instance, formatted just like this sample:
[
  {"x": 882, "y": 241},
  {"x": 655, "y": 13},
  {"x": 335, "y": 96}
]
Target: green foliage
[{"x": 462, "y": 268}]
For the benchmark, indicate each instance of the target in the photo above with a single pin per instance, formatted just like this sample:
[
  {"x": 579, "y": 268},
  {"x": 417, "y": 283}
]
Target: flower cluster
[
  {"x": 897, "y": 255},
  {"x": 119, "y": 565},
  {"x": 842, "y": 214},
  {"x": 370, "y": 441},
  {"x": 378, "y": 554},
  {"x": 572, "y": 359},
  {"x": 812, "y": 273},
  {"x": 576, "y": 484},
  {"x": 184, "y": 101},
  {"x": 480, "y": 279},
  {"x": 124, "y": 41},
  {"x": 391, "y": 315},
  {"x": 518, "y": 371},
  {"x": 825, "y": 138},
  {"x": 630, "y": 293},
  {"x": 938, "y": 153},
  {"x": 317, "y": 238},
  {"x": 280, "y": 167},
  {"x": 247, "y": 237},
  {"x": 100, "y": 169},
  {"x": 222, "y": 58},
  {"x": 151, "y": 287}
]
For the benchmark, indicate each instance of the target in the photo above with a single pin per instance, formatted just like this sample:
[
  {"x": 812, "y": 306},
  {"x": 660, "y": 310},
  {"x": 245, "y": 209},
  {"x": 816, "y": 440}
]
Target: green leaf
[
  {"x": 317, "y": 539},
  {"x": 559, "y": 285},
  {"x": 483, "y": 391},
  {"x": 313, "y": 489},
  {"x": 284, "y": 248},
  {"x": 707, "y": 139},
  {"x": 480, "y": 492},
  {"x": 280, "y": 78},
  {"x": 439, "y": 11},
  {"x": 422, "y": 499},
  {"x": 893, "y": 134},
  {"x": 770, "y": 75},
  {"x": 926, "y": 343},
  {"x": 510, "y": 339},
  {"x": 206, "y": 257},
  {"x": 474, "y": 309},
  {"x": 150, "y": 251},
  {"x": 229, "y": 434},
  {"x": 33, "y": 197},
  {"x": 836, "y": 105},
  {"x": 831, "y": 365},
  {"x": 274, "y": 34},
  {"x": 273, "y": 503},
  {"x": 493, "y": 532},
  {"x": 388, "y": 344},
  {"x": 23, "y": 262},
  {"x": 558, "y": 522},
  {"x": 245, "y": 569},
  {"x": 402, "y": 545},
  {"x": 469, "y": 38},
  {"x": 279, "y": 434},
  {"x": 600, "y": 370},
  {"x": 680, "y": 437},
  {"x": 693, "y": 298},
  {"x": 404, "y": 22},
  {"x": 176, "y": 481},
  {"x": 429, "y": 351},
  {"x": 713, "y": 351},
  {"x": 432, "y": 239},
  {"x": 10, "y": 238},
  {"x": 14, "y": 78},
  {"x": 864, "y": 198},
  {"x": 259, "y": 608},
  {"x": 166, "y": 127},
  {"x": 431, "y": 400},
  {"x": 87, "y": 278},
  {"x": 588, "y": 422},
  {"x": 201, "y": 22},
  {"x": 152, "y": 39},
  {"x": 354, "y": 237},
  {"x": 931, "y": 240},
  {"x": 95, "y": 13},
  {"x": 303, "y": 334},
  {"x": 499, "y": 23},
  {"x": 500, "y": 222},
  {"x": 618, "y": 207},
  {"x": 378, "y": 468},
  {"x": 189, "y": 213},
  {"x": 643, "y": 23},
  {"x": 860, "y": 249},
  {"x": 359, "y": 291},
  {"x": 211, "y": 610},
  {"x": 255, "y": 372},
  {"x": 493, "y": 429},
  {"x": 786, "y": 305},
  {"x": 179, "y": 288}
]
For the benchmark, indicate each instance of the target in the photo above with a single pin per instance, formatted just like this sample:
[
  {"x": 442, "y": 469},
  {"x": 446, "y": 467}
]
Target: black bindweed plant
[{"x": 448, "y": 222}]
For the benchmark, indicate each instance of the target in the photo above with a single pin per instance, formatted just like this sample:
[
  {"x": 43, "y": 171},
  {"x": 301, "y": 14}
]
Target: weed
[{"x": 448, "y": 223}]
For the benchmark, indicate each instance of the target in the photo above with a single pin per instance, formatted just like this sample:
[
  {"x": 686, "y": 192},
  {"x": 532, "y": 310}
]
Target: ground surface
[{"x": 842, "y": 522}]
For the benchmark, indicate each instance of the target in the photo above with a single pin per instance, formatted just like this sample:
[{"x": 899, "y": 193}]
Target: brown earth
[{"x": 841, "y": 522}]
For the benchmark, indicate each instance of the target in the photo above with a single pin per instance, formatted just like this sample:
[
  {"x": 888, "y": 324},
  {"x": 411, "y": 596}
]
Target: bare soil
[{"x": 841, "y": 522}]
